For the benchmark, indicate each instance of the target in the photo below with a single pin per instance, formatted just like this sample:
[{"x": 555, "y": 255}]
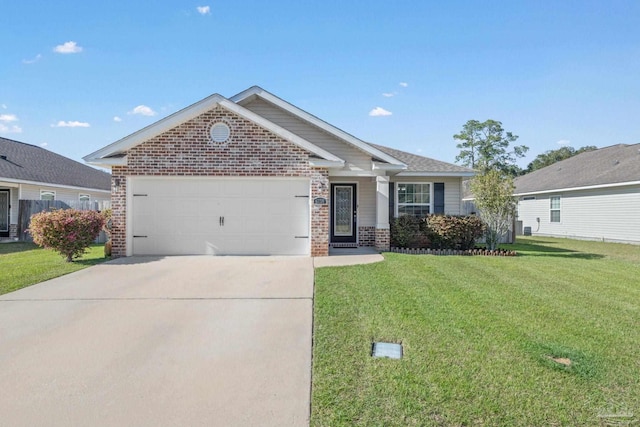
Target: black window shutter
[
  {"x": 392, "y": 200},
  {"x": 438, "y": 197}
]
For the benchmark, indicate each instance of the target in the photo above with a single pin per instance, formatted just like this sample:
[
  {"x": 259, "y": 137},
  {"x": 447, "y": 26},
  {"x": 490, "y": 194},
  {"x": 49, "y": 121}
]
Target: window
[
  {"x": 84, "y": 197},
  {"x": 413, "y": 199},
  {"x": 529, "y": 198},
  {"x": 47, "y": 195},
  {"x": 554, "y": 208}
]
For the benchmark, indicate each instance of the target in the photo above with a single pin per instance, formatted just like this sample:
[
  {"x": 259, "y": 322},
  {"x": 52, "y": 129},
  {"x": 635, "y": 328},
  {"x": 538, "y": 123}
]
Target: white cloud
[
  {"x": 204, "y": 10},
  {"x": 32, "y": 61},
  {"x": 5, "y": 119},
  {"x": 10, "y": 129},
  {"x": 68, "y": 47},
  {"x": 404, "y": 84},
  {"x": 71, "y": 124},
  {"x": 8, "y": 118},
  {"x": 143, "y": 110},
  {"x": 117, "y": 119},
  {"x": 379, "y": 111},
  {"x": 564, "y": 142},
  {"x": 44, "y": 144},
  {"x": 389, "y": 94}
]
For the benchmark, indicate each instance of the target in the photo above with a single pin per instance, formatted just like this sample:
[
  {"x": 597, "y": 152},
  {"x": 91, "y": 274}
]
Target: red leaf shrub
[{"x": 69, "y": 232}]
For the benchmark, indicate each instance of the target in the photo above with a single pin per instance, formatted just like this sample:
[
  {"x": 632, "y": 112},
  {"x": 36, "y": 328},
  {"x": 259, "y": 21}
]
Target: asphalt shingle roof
[
  {"x": 610, "y": 165},
  {"x": 30, "y": 163},
  {"x": 417, "y": 163}
]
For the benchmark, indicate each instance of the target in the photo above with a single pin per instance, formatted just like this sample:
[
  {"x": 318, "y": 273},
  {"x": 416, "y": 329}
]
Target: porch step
[{"x": 344, "y": 245}]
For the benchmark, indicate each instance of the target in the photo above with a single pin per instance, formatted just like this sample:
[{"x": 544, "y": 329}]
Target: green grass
[
  {"x": 24, "y": 264},
  {"x": 479, "y": 337}
]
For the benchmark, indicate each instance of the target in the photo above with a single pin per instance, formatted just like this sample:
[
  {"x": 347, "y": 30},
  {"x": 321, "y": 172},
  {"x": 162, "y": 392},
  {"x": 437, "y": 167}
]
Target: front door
[
  {"x": 343, "y": 213},
  {"x": 4, "y": 213}
]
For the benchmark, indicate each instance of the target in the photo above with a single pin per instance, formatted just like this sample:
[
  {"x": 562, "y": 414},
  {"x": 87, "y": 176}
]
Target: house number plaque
[{"x": 319, "y": 201}]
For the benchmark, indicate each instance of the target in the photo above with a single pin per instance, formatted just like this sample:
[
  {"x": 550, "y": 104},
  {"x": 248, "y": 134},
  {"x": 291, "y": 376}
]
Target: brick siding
[
  {"x": 366, "y": 236},
  {"x": 252, "y": 151},
  {"x": 382, "y": 239}
]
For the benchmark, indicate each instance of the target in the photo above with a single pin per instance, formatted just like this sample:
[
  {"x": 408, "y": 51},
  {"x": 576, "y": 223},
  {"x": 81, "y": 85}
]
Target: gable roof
[
  {"x": 114, "y": 154},
  {"x": 424, "y": 166},
  {"x": 609, "y": 166},
  {"x": 21, "y": 162},
  {"x": 257, "y": 91}
]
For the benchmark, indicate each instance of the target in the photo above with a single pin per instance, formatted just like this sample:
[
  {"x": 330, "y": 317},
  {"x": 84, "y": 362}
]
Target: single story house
[
  {"x": 594, "y": 195},
  {"x": 28, "y": 172},
  {"x": 254, "y": 174}
]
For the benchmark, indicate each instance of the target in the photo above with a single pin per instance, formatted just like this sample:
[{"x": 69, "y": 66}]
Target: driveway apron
[{"x": 175, "y": 341}]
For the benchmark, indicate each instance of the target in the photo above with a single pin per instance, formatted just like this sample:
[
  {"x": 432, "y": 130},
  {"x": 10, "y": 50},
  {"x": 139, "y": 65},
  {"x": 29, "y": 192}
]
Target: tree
[
  {"x": 67, "y": 231},
  {"x": 552, "y": 156},
  {"x": 493, "y": 193},
  {"x": 485, "y": 146}
]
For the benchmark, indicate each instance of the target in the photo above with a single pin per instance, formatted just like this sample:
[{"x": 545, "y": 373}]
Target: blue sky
[{"x": 76, "y": 76}]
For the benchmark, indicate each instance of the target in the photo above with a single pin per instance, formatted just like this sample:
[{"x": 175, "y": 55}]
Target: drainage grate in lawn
[{"x": 387, "y": 349}]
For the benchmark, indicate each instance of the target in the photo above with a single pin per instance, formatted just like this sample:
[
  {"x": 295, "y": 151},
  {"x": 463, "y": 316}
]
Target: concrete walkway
[
  {"x": 348, "y": 256},
  {"x": 177, "y": 341}
]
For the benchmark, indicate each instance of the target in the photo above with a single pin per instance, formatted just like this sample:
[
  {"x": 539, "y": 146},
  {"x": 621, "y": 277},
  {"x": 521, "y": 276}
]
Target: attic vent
[{"x": 220, "y": 132}]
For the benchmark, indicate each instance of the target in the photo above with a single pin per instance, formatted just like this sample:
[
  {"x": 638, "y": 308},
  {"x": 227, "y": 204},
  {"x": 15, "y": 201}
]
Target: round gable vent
[{"x": 220, "y": 132}]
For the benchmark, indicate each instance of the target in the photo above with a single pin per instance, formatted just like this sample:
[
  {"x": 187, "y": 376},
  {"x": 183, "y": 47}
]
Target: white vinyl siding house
[
  {"x": 28, "y": 172},
  {"x": 610, "y": 214},
  {"x": 594, "y": 195}
]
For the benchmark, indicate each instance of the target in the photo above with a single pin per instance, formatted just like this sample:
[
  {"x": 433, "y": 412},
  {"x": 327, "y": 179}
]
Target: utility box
[{"x": 527, "y": 231}]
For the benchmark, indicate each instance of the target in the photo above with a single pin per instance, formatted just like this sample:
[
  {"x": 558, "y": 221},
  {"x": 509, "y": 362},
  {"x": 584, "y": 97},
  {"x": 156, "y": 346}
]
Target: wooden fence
[{"x": 30, "y": 207}]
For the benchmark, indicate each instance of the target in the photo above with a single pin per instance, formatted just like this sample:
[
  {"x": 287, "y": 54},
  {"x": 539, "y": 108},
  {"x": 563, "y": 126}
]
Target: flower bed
[{"x": 467, "y": 252}]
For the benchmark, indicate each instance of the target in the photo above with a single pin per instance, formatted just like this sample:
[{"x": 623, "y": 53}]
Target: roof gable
[
  {"x": 21, "y": 162},
  {"x": 607, "y": 166},
  {"x": 257, "y": 91},
  {"x": 113, "y": 154}
]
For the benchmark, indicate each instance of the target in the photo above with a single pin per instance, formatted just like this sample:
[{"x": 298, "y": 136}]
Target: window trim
[
  {"x": 397, "y": 198},
  {"x": 558, "y": 209},
  {"x": 43, "y": 192}
]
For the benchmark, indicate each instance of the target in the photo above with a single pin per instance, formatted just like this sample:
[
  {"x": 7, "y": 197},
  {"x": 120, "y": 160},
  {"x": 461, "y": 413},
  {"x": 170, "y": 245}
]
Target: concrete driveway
[{"x": 176, "y": 341}]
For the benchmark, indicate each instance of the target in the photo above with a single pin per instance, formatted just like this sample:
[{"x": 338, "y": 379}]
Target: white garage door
[{"x": 219, "y": 216}]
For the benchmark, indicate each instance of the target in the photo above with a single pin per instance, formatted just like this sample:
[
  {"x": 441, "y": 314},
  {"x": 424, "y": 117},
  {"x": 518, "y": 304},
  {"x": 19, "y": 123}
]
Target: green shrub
[
  {"x": 454, "y": 232},
  {"x": 69, "y": 232},
  {"x": 436, "y": 231},
  {"x": 408, "y": 231}
]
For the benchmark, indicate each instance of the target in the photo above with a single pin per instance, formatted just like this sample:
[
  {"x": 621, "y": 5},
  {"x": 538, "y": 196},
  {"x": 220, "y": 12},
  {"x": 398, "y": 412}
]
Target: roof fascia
[
  {"x": 278, "y": 130},
  {"x": 587, "y": 187},
  {"x": 188, "y": 113},
  {"x": 156, "y": 128},
  {"x": 259, "y": 92},
  {"x": 418, "y": 173},
  {"x": 50, "y": 184}
]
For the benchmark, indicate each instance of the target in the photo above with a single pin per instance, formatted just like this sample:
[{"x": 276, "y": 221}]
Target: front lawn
[
  {"x": 24, "y": 264},
  {"x": 479, "y": 336}
]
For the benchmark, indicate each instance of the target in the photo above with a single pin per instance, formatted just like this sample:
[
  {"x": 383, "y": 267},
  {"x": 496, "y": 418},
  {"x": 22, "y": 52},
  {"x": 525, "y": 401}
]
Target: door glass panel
[
  {"x": 343, "y": 211},
  {"x": 4, "y": 211}
]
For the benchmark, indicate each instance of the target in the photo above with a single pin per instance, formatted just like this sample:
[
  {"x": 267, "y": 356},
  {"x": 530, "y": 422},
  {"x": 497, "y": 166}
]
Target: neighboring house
[
  {"x": 28, "y": 172},
  {"x": 253, "y": 174},
  {"x": 594, "y": 195}
]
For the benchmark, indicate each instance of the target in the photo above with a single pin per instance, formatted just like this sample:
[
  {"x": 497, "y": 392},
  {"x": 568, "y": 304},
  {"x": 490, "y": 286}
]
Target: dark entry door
[
  {"x": 343, "y": 213},
  {"x": 4, "y": 213}
]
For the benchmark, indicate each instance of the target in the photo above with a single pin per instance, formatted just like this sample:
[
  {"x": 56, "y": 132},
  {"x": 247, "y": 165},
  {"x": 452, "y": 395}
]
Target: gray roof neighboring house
[
  {"x": 417, "y": 163},
  {"x": 20, "y": 162},
  {"x": 612, "y": 165}
]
